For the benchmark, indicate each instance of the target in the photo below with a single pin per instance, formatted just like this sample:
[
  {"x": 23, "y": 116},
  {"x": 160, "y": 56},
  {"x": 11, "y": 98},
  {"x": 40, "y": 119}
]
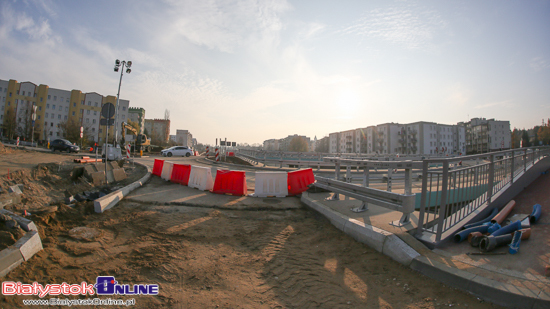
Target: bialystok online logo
[{"x": 105, "y": 285}]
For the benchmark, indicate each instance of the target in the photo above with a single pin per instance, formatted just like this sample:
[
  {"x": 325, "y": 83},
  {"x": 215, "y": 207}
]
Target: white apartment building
[
  {"x": 416, "y": 138},
  {"x": 486, "y": 135}
]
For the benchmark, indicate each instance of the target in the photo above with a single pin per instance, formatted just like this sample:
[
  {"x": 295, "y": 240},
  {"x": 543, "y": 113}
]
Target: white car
[{"x": 183, "y": 151}]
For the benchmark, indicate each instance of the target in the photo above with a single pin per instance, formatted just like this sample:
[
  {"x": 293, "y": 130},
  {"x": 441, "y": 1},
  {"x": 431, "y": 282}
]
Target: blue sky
[{"x": 255, "y": 70}]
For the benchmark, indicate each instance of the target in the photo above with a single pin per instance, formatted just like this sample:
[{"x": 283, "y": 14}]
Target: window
[
  {"x": 95, "y": 113},
  {"x": 93, "y": 129},
  {"x": 67, "y": 100},
  {"x": 59, "y": 116},
  {"x": 61, "y": 99},
  {"x": 66, "y": 109},
  {"x": 87, "y": 112},
  {"x": 89, "y": 103},
  {"x": 10, "y": 94},
  {"x": 34, "y": 95},
  {"x": 45, "y": 124},
  {"x": 60, "y": 108},
  {"x": 100, "y": 130},
  {"x": 57, "y": 133},
  {"x": 51, "y": 133},
  {"x": 95, "y": 104},
  {"x": 23, "y": 93},
  {"x": 51, "y": 125},
  {"x": 74, "y": 104},
  {"x": 46, "y": 115},
  {"x": 49, "y": 97},
  {"x": 87, "y": 120},
  {"x": 41, "y": 99},
  {"x": 53, "y": 106},
  {"x": 38, "y": 117},
  {"x": 93, "y": 120},
  {"x": 55, "y": 98},
  {"x": 124, "y": 108},
  {"x": 17, "y": 92},
  {"x": 65, "y": 117},
  {"x": 82, "y": 102},
  {"x": 73, "y": 113},
  {"x": 48, "y": 105}
]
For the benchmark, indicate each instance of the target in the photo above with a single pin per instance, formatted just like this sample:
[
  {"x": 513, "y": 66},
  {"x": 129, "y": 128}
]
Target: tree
[
  {"x": 135, "y": 125},
  {"x": 71, "y": 131},
  {"x": 525, "y": 139},
  {"x": 516, "y": 137},
  {"x": 10, "y": 124},
  {"x": 322, "y": 145},
  {"x": 543, "y": 135},
  {"x": 298, "y": 144}
]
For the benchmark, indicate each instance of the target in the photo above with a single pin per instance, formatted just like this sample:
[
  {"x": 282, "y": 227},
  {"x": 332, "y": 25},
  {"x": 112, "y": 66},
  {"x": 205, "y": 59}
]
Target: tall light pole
[{"x": 119, "y": 63}]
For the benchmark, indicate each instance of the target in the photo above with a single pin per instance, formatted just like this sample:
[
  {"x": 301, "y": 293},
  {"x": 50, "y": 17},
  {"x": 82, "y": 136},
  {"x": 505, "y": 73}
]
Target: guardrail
[{"x": 450, "y": 196}]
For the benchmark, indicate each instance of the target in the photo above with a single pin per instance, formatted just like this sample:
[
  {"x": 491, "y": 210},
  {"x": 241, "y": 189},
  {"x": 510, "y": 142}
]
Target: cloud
[
  {"x": 16, "y": 22},
  {"x": 411, "y": 27},
  {"x": 539, "y": 64}
]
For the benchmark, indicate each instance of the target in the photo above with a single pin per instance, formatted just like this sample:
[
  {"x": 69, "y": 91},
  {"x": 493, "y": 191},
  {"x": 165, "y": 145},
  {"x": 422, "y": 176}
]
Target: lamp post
[{"x": 119, "y": 63}]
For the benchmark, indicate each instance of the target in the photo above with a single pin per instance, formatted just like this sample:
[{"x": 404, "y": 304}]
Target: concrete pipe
[
  {"x": 535, "y": 215},
  {"x": 504, "y": 212},
  {"x": 474, "y": 238},
  {"x": 489, "y": 218}
]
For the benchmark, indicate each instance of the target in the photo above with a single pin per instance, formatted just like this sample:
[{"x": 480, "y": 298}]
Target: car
[
  {"x": 183, "y": 151},
  {"x": 63, "y": 145}
]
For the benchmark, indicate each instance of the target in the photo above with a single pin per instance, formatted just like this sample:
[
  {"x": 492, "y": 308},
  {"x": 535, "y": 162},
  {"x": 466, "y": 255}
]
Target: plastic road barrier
[
  {"x": 230, "y": 154},
  {"x": 200, "y": 178},
  {"x": 167, "y": 170},
  {"x": 298, "y": 181},
  {"x": 180, "y": 174},
  {"x": 230, "y": 182},
  {"x": 207, "y": 151},
  {"x": 157, "y": 167},
  {"x": 271, "y": 184}
]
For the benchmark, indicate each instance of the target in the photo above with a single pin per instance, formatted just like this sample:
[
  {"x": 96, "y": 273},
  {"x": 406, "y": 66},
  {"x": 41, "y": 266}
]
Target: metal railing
[{"x": 452, "y": 193}]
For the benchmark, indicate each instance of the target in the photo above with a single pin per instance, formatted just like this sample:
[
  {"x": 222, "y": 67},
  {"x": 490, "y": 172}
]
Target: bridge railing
[{"x": 452, "y": 193}]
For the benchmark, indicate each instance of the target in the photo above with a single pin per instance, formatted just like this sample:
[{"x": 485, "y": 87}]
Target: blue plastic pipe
[
  {"x": 462, "y": 235},
  {"x": 535, "y": 215},
  {"x": 493, "y": 213},
  {"x": 512, "y": 227},
  {"x": 516, "y": 240}
]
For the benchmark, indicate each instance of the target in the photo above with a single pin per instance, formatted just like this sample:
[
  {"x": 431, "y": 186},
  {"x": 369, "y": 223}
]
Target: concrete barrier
[
  {"x": 200, "y": 178},
  {"x": 271, "y": 184},
  {"x": 110, "y": 200}
]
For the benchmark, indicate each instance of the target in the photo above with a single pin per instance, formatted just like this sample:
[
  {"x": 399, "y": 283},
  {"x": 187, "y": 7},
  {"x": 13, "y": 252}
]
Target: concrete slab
[
  {"x": 119, "y": 174},
  {"x": 29, "y": 244},
  {"x": 110, "y": 200},
  {"x": 10, "y": 258},
  {"x": 98, "y": 178},
  {"x": 15, "y": 189},
  {"x": 503, "y": 294},
  {"x": 26, "y": 224},
  {"x": 9, "y": 199}
]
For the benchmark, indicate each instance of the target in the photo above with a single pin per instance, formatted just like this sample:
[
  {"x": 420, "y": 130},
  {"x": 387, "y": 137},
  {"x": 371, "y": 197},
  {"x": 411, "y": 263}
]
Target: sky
[{"x": 253, "y": 70}]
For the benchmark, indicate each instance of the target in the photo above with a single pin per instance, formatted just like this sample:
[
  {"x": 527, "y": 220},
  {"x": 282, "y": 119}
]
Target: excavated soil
[{"x": 205, "y": 258}]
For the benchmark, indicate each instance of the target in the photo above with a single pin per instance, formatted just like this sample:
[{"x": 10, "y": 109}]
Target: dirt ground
[{"x": 206, "y": 258}]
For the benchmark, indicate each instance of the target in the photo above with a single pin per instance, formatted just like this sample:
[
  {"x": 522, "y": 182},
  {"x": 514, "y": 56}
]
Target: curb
[
  {"x": 391, "y": 245},
  {"x": 382, "y": 241},
  {"x": 110, "y": 200},
  {"x": 23, "y": 249}
]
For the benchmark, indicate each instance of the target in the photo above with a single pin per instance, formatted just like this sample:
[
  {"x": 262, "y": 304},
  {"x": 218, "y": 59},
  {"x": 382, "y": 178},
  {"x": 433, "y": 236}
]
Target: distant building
[
  {"x": 184, "y": 138},
  {"x": 54, "y": 107},
  {"x": 158, "y": 129},
  {"x": 486, "y": 135},
  {"x": 137, "y": 115},
  {"x": 393, "y": 138},
  {"x": 173, "y": 138},
  {"x": 271, "y": 145},
  {"x": 283, "y": 144}
]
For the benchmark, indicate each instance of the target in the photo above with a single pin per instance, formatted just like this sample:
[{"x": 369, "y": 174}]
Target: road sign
[
  {"x": 81, "y": 129},
  {"x": 233, "y": 144},
  {"x": 222, "y": 143},
  {"x": 108, "y": 110},
  {"x": 103, "y": 122},
  {"x": 81, "y": 135}
]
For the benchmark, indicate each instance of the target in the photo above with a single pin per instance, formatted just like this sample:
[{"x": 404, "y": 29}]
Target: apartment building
[
  {"x": 53, "y": 107},
  {"x": 486, "y": 135},
  {"x": 184, "y": 138},
  {"x": 283, "y": 144},
  {"x": 416, "y": 138}
]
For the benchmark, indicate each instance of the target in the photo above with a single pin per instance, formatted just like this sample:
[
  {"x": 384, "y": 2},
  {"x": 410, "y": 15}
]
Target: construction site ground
[{"x": 228, "y": 252}]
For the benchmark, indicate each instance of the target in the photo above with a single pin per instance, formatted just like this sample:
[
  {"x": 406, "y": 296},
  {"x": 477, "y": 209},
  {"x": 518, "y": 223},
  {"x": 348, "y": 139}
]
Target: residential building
[
  {"x": 54, "y": 107},
  {"x": 486, "y": 135},
  {"x": 393, "y": 138},
  {"x": 271, "y": 145},
  {"x": 184, "y": 138},
  {"x": 158, "y": 130}
]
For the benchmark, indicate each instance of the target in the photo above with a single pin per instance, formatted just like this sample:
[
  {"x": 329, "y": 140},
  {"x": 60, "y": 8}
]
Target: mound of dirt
[{"x": 4, "y": 149}]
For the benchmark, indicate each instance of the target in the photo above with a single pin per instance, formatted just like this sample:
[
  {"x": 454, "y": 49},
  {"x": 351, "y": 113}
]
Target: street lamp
[{"x": 118, "y": 64}]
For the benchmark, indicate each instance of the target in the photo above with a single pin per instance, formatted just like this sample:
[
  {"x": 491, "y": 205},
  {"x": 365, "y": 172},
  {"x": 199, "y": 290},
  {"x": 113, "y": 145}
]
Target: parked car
[
  {"x": 63, "y": 145},
  {"x": 183, "y": 151}
]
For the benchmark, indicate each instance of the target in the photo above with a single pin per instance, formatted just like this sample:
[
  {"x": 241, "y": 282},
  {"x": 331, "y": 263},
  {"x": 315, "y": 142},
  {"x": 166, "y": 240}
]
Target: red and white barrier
[
  {"x": 271, "y": 184},
  {"x": 230, "y": 182},
  {"x": 217, "y": 154},
  {"x": 180, "y": 174},
  {"x": 298, "y": 181},
  {"x": 200, "y": 178},
  {"x": 207, "y": 151},
  {"x": 167, "y": 170},
  {"x": 157, "y": 167},
  {"x": 128, "y": 151}
]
